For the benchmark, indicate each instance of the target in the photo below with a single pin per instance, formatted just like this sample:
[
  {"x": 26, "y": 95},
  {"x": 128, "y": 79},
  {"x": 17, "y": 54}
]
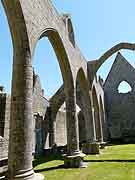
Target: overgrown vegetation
[{"x": 114, "y": 163}]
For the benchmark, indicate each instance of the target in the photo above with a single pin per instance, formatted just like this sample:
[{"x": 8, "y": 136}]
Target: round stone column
[
  {"x": 74, "y": 157},
  {"x": 91, "y": 146},
  {"x": 101, "y": 116},
  {"x": 21, "y": 129}
]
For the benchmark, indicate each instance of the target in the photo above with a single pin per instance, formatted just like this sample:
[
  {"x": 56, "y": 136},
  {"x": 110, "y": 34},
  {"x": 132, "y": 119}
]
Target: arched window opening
[
  {"x": 6, "y": 61},
  {"x": 47, "y": 67},
  {"x": 124, "y": 87},
  {"x": 71, "y": 32}
]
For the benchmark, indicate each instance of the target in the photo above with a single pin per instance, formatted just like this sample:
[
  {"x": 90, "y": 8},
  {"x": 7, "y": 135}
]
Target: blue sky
[{"x": 98, "y": 25}]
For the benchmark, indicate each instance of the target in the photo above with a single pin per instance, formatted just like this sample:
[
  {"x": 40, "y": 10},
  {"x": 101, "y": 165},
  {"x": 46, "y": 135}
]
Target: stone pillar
[
  {"x": 101, "y": 117},
  {"x": 101, "y": 128},
  {"x": 73, "y": 158},
  {"x": 91, "y": 146},
  {"x": 52, "y": 128},
  {"x": 90, "y": 135},
  {"x": 21, "y": 129}
]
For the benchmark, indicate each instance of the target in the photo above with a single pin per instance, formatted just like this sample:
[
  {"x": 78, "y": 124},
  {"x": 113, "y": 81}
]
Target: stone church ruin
[
  {"x": 120, "y": 106},
  {"x": 84, "y": 113}
]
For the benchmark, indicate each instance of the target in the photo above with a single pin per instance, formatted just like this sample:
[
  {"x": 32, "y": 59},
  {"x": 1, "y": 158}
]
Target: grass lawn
[{"x": 114, "y": 163}]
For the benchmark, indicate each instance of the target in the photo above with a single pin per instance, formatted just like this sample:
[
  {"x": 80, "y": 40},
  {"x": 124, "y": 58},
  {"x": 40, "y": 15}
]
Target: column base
[
  {"x": 35, "y": 176},
  {"x": 75, "y": 161},
  {"x": 90, "y": 148},
  {"x": 38, "y": 176},
  {"x": 102, "y": 145}
]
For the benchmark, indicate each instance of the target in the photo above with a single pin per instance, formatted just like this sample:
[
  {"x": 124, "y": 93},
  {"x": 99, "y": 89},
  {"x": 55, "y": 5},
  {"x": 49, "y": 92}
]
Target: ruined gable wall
[{"x": 120, "y": 107}]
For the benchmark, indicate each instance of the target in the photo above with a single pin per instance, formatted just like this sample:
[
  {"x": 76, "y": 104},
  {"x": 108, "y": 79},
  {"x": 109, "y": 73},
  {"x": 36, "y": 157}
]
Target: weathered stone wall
[
  {"x": 61, "y": 131},
  {"x": 120, "y": 106},
  {"x": 121, "y": 117},
  {"x": 40, "y": 104},
  {"x": 5, "y": 117}
]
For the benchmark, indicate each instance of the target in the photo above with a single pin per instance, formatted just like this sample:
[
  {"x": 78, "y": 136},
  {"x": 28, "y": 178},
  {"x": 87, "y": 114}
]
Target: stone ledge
[{"x": 35, "y": 176}]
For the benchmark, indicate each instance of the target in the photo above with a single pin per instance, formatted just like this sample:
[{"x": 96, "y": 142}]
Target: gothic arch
[
  {"x": 17, "y": 25},
  {"x": 113, "y": 50},
  {"x": 62, "y": 57},
  {"x": 21, "y": 94},
  {"x": 84, "y": 102}
]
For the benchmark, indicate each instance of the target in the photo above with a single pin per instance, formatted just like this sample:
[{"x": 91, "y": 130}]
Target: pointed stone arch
[
  {"x": 84, "y": 102},
  {"x": 113, "y": 50},
  {"x": 62, "y": 57},
  {"x": 21, "y": 98}
]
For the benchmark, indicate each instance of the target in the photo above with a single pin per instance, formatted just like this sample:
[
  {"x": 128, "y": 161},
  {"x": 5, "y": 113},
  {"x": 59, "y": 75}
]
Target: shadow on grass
[
  {"x": 46, "y": 158},
  {"x": 112, "y": 160},
  {"x": 50, "y": 168}
]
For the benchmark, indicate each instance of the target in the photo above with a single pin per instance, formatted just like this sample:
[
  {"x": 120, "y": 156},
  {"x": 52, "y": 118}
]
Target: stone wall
[
  {"x": 120, "y": 106},
  {"x": 5, "y": 117},
  {"x": 4, "y": 130},
  {"x": 61, "y": 131},
  {"x": 40, "y": 104},
  {"x": 121, "y": 117}
]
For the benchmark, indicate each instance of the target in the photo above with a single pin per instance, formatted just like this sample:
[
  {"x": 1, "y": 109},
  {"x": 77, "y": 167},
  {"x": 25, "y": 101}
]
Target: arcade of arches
[{"x": 84, "y": 111}]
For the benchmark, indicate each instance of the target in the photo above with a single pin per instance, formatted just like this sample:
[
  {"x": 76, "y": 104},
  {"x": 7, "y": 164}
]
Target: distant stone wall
[
  {"x": 4, "y": 120},
  {"x": 61, "y": 131},
  {"x": 121, "y": 116},
  {"x": 40, "y": 104},
  {"x": 120, "y": 106}
]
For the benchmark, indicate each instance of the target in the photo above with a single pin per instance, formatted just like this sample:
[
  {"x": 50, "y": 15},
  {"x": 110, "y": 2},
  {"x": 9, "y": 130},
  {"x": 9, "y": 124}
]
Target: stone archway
[
  {"x": 28, "y": 23},
  {"x": 72, "y": 127},
  {"x": 20, "y": 145},
  {"x": 84, "y": 102}
]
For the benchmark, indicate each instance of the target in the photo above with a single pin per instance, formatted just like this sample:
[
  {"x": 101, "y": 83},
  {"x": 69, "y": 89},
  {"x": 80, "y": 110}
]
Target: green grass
[{"x": 114, "y": 163}]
